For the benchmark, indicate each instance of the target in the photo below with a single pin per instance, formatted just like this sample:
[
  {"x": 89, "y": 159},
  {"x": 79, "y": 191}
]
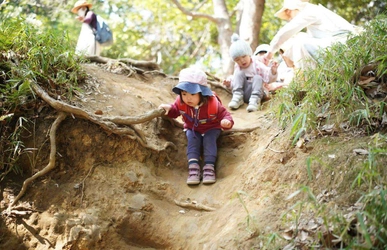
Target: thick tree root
[
  {"x": 136, "y": 65},
  {"x": 110, "y": 124},
  {"x": 51, "y": 163}
]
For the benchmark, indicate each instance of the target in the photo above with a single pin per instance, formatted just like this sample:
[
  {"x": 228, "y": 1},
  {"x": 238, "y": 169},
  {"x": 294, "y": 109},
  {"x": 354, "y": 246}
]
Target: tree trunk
[
  {"x": 251, "y": 20},
  {"x": 249, "y": 26},
  {"x": 224, "y": 36}
]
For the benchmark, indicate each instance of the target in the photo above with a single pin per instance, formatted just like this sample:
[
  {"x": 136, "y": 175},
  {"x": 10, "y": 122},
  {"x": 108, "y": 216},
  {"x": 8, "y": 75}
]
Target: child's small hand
[
  {"x": 225, "y": 123},
  {"x": 166, "y": 107},
  {"x": 227, "y": 83},
  {"x": 79, "y": 18}
]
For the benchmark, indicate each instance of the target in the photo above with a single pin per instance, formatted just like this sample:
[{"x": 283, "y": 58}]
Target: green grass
[{"x": 30, "y": 55}]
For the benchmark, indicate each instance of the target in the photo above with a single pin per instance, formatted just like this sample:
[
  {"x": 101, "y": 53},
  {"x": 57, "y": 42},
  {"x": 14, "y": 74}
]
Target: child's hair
[
  {"x": 203, "y": 99},
  {"x": 239, "y": 47}
]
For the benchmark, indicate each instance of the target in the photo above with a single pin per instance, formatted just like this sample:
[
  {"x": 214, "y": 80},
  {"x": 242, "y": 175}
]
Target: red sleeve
[
  {"x": 174, "y": 111},
  {"x": 224, "y": 114}
]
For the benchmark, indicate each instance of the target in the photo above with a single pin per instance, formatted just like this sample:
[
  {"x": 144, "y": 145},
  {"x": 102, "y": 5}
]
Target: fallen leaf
[
  {"x": 300, "y": 143},
  {"x": 288, "y": 235},
  {"x": 360, "y": 151}
]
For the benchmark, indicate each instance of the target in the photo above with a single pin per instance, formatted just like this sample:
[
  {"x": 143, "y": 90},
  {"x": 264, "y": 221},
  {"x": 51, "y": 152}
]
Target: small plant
[
  {"x": 13, "y": 147},
  {"x": 251, "y": 223},
  {"x": 372, "y": 171}
]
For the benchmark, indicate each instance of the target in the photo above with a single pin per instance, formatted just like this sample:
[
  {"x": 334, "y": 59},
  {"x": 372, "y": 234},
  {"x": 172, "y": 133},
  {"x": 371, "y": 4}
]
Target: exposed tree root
[
  {"x": 83, "y": 183},
  {"x": 51, "y": 163},
  {"x": 110, "y": 124},
  {"x": 20, "y": 210},
  {"x": 272, "y": 139},
  {"x": 215, "y": 82},
  {"x": 146, "y": 65},
  {"x": 193, "y": 205}
]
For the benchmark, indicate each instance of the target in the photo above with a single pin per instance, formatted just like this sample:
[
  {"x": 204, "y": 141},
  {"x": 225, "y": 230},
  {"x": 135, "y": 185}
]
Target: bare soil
[{"x": 109, "y": 192}]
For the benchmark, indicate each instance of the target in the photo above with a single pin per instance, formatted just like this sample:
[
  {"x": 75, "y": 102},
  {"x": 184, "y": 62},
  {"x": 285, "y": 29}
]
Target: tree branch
[{"x": 194, "y": 14}]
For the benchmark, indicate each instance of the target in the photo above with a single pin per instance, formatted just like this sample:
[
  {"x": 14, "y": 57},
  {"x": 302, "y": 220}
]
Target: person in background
[
  {"x": 250, "y": 74},
  {"x": 261, "y": 50},
  {"x": 284, "y": 73},
  {"x": 204, "y": 118},
  {"x": 87, "y": 44},
  {"x": 323, "y": 28}
]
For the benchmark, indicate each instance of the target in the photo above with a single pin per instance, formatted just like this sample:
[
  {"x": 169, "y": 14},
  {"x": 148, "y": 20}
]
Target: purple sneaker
[
  {"x": 193, "y": 174},
  {"x": 209, "y": 174}
]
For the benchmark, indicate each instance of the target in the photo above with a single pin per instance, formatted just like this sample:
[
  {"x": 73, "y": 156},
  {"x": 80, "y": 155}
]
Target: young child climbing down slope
[
  {"x": 250, "y": 74},
  {"x": 204, "y": 118}
]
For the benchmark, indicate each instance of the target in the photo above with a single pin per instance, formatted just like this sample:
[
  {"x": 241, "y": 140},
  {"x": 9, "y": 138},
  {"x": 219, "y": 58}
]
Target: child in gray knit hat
[{"x": 250, "y": 74}]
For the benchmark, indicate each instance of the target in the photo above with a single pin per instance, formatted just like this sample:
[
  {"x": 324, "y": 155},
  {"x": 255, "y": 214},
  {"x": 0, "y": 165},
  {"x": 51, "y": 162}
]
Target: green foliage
[
  {"x": 158, "y": 31},
  {"x": 30, "y": 56},
  {"x": 331, "y": 90},
  {"x": 373, "y": 219},
  {"x": 356, "y": 11},
  {"x": 372, "y": 172}
]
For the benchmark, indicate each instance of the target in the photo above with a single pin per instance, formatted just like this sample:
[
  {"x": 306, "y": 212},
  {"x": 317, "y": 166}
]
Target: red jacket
[{"x": 202, "y": 111}]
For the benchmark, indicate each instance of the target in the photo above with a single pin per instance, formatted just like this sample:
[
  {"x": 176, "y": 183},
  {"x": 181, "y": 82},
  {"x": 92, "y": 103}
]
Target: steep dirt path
[
  {"x": 108, "y": 192},
  {"x": 240, "y": 169}
]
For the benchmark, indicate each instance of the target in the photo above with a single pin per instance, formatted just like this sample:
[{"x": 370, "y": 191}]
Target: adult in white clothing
[
  {"x": 87, "y": 44},
  {"x": 323, "y": 28}
]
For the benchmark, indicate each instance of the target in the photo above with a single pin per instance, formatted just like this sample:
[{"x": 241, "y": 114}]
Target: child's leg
[
  {"x": 257, "y": 93},
  {"x": 193, "y": 155},
  {"x": 210, "y": 154},
  {"x": 238, "y": 83}
]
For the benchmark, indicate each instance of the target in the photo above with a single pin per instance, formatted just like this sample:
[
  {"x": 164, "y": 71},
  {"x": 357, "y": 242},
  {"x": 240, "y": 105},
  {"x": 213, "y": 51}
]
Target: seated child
[
  {"x": 204, "y": 118},
  {"x": 250, "y": 74},
  {"x": 284, "y": 73}
]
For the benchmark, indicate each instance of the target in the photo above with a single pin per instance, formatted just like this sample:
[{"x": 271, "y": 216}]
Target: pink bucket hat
[
  {"x": 193, "y": 81},
  {"x": 290, "y": 5}
]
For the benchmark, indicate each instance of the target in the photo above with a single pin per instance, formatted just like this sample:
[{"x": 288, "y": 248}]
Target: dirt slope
[{"x": 108, "y": 192}]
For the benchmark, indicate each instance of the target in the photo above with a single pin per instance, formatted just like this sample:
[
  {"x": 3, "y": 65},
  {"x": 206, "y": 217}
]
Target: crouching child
[{"x": 204, "y": 118}]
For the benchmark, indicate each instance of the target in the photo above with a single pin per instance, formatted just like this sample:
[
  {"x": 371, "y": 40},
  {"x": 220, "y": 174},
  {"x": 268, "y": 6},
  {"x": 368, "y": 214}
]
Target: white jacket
[{"x": 320, "y": 23}]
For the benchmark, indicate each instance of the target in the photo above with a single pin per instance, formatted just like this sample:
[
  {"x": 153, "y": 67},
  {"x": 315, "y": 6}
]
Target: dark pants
[{"x": 208, "y": 140}]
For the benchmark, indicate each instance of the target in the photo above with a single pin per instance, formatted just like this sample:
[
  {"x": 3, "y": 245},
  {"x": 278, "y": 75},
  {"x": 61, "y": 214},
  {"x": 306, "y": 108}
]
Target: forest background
[{"x": 176, "y": 34}]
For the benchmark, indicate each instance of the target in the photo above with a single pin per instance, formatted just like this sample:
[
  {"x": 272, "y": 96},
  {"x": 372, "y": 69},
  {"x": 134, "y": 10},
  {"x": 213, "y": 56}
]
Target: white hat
[
  {"x": 239, "y": 47},
  {"x": 290, "y": 5},
  {"x": 193, "y": 80},
  {"x": 262, "y": 48}
]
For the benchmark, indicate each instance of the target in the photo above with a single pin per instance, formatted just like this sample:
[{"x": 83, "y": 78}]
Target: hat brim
[
  {"x": 192, "y": 88},
  {"x": 75, "y": 9},
  {"x": 261, "y": 50}
]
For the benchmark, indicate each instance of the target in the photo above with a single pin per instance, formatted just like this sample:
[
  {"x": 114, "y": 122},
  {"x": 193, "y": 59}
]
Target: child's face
[
  {"x": 260, "y": 55},
  {"x": 243, "y": 61},
  {"x": 192, "y": 100}
]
